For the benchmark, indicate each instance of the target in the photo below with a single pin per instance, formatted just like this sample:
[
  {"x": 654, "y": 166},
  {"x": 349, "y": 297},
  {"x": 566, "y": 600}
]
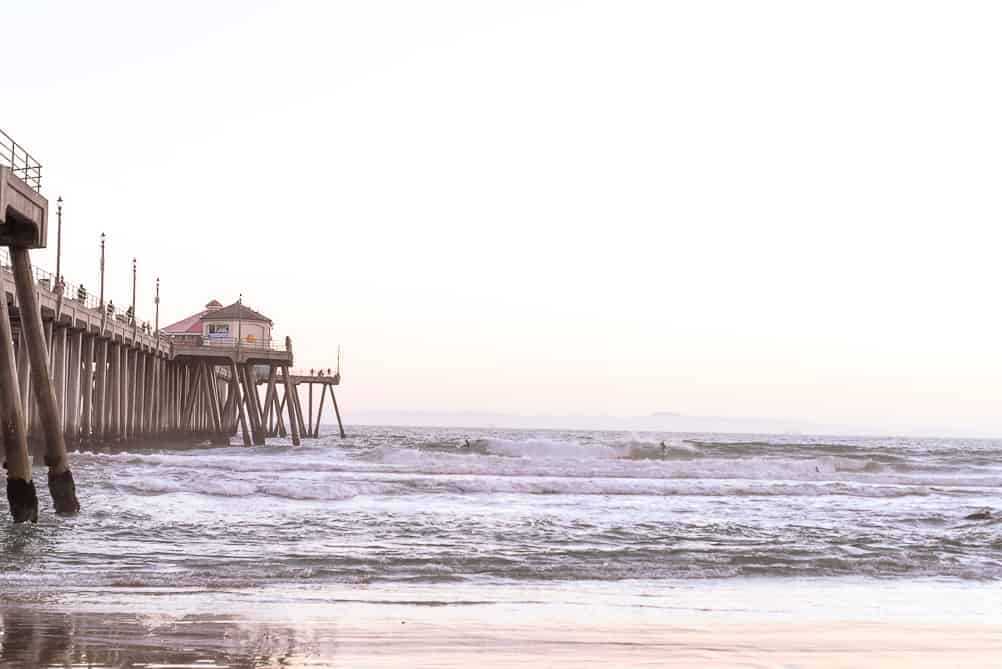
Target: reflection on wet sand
[{"x": 33, "y": 638}]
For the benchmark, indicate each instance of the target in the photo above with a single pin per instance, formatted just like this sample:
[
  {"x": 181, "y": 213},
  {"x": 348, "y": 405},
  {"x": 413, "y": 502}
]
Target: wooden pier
[{"x": 72, "y": 370}]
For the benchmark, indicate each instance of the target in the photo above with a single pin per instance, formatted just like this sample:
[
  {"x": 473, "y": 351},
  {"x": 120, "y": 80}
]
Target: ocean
[{"x": 430, "y": 547}]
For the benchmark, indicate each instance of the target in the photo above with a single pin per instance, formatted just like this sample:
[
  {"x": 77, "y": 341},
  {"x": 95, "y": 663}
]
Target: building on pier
[{"x": 218, "y": 325}]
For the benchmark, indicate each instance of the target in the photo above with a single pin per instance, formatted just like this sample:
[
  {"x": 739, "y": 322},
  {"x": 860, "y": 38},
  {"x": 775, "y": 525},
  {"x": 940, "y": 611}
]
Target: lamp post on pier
[
  {"x": 59, "y": 255},
  {"x": 133, "y": 299},
  {"x": 104, "y": 312},
  {"x": 156, "y": 317},
  {"x": 240, "y": 322}
]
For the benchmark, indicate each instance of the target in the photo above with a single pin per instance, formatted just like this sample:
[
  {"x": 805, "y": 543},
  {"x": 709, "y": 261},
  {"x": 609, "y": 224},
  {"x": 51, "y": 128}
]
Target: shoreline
[{"x": 737, "y": 622}]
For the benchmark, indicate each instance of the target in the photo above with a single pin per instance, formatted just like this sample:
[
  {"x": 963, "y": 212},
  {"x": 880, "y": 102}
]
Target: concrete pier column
[
  {"x": 179, "y": 373},
  {"x": 152, "y": 411},
  {"x": 71, "y": 409},
  {"x": 241, "y": 414},
  {"x": 177, "y": 379},
  {"x": 87, "y": 387},
  {"x": 279, "y": 421},
  {"x": 309, "y": 411},
  {"x": 337, "y": 412},
  {"x": 253, "y": 405},
  {"x": 320, "y": 410},
  {"x": 229, "y": 422},
  {"x": 58, "y": 362},
  {"x": 20, "y": 488},
  {"x": 174, "y": 404},
  {"x": 99, "y": 417},
  {"x": 113, "y": 432},
  {"x": 217, "y": 402},
  {"x": 268, "y": 393},
  {"x": 123, "y": 391},
  {"x": 212, "y": 411},
  {"x": 23, "y": 375},
  {"x": 170, "y": 374},
  {"x": 61, "y": 485},
  {"x": 48, "y": 327},
  {"x": 129, "y": 383},
  {"x": 290, "y": 402},
  {"x": 297, "y": 401},
  {"x": 190, "y": 394},
  {"x": 149, "y": 420},
  {"x": 148, "y": 404},
  {"x": 140, "y": 394}
]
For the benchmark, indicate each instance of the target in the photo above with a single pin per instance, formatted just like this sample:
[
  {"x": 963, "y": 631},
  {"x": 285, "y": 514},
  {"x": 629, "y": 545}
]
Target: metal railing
[
  {"x": 316, "y": 371},
  {"x": 20, "y": 162},
  {"x": 274, "y": 344},
  {"x": 79, "y": 296}
]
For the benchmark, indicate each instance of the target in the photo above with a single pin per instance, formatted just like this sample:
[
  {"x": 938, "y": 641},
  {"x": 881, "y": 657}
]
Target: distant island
[{"x": 659, "y": 421}]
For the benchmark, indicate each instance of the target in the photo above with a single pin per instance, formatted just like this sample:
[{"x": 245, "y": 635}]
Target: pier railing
[
  {"x": 75, "y": 293},
  {"x": 20, "y": 162},
  {"x": 316, "y": 372},
  {"x": 274, "y": 344}
]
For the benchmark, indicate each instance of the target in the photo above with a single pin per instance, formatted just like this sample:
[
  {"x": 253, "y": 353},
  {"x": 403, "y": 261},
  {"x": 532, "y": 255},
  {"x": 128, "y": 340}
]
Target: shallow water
[{"x": 215, "y": 536}]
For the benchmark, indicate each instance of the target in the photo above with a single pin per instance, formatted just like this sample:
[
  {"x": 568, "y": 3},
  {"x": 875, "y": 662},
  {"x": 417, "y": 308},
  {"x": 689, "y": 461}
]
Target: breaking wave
[{"x": 439, "y": 505}]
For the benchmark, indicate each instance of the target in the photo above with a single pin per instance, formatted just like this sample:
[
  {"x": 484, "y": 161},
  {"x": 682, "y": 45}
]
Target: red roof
[
  {"x": 190, "y": 325},
  {"x": 235, "y": 311},
  {"x": 213, "y": 310}
]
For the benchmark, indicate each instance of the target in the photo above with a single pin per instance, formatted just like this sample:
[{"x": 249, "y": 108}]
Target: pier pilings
[
  {"x": 21, "y": 493},
  {"x": 61, "y": 485}
]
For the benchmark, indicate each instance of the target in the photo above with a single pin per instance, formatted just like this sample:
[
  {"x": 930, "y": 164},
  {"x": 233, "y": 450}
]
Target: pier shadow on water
[{"x": 34, "y": 638}]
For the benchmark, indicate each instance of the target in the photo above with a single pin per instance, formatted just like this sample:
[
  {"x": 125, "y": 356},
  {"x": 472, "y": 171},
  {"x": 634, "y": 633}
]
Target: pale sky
[{"x": 777, "y": 209}]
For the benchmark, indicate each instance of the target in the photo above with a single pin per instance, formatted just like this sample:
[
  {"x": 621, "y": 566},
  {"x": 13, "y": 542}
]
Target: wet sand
[
  {"x": 410, "y": 636},
  {"x": 767, "y": 624}
]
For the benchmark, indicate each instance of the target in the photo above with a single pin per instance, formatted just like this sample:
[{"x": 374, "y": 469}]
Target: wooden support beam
[
  {"x": 21, "y": 495},
  {"x": 61, "y": 484},
  {"x": 309, "y": 413}
]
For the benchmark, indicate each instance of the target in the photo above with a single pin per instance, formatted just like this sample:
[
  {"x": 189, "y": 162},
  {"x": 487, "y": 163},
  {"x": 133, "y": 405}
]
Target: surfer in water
[
  {"x": 664, "y": 449},
  {"x": 466, "y": 443}
]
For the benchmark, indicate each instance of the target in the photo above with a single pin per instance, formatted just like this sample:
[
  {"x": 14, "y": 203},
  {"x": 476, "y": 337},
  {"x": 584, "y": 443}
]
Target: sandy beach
[{"x": 847, "y": 623}]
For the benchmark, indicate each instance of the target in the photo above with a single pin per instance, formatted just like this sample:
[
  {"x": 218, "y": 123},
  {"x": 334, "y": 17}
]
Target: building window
[{"x": 219, "y": 330}]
